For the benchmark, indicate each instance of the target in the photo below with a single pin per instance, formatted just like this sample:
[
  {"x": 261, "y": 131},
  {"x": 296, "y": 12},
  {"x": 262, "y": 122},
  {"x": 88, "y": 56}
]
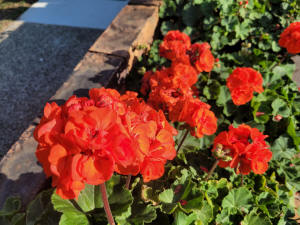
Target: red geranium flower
[
  {"x": 201, "y": 57},
  {"x": 196, "y": 114},
  {"x": 175, "y": 45},
  {"x": 245, "y": 149},
  {"x": 242, "y": 82},
  {"x": 290, "y": 38},
  {"x": 86, "y": 140}
]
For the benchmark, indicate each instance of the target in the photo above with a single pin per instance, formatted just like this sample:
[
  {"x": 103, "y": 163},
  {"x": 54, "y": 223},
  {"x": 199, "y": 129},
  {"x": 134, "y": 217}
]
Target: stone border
[{"x": 106, "y": 62}]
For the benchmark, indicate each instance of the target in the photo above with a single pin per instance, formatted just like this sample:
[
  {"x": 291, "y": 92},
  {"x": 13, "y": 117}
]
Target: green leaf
[
  {"x": 230, "y": 23},
  {"x": 254, "y": 219},
  {"x": 224, "y": 96},
  {"x": 40, "y": 210},
  {"x": 291, "y": 130},
  {"x": 11, "y": 206},
  {"x": 280, "y": 107},
  {"x": 242, "y": 30},
  {"x": 281, "y": 150},
  {"x": 191, "y": 14},
  {"x": 269, "y": 204},
  {"x": 142, "y": 213},
  {"x": 18, "y": 219},
  {"x": 194, "y": 200},
  {"x": 275, "y": 46},
  {"x": 224, "y": 217},
  {"x": 63, "y": 205},
  {"x": 205, "y": 214},
  {"x": 238, "y": 200},
  {"x": 166, "y": 196},
  {"x": 226, "y": 6},
  {"x": 285, "y": 69},
  {"x": 166, "y": 26},
  {"x": 212, "y": 90},
  {"x": 119, "y": 199},
  {"x": 87, "y": 197},
  {"x": 183, "y": 219},
  {"x": 72, "y": 218}
]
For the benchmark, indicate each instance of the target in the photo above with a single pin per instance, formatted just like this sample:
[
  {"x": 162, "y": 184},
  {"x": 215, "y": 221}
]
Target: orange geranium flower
[
  {"x": 290, "y": 38},
  {"x": 153, "y": 136},
  {"x": 175, "y": 45},
  {"x": 245, "y": 149},
  {"x": 242, "y": 82},
  {"x": 196, "y": 114},
  {"x": 86, "y": 140},
  {"x": 201, "y": 57}
]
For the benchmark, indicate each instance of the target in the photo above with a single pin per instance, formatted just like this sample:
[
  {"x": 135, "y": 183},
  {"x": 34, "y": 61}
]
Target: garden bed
[{"x": 240, "y": 164}]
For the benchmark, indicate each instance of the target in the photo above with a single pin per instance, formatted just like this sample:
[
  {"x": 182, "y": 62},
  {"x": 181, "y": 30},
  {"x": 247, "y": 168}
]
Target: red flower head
[
  {"x": 290, "y": 38},
  {"x": 243, "y": 148},
  {"x": 175, "y": 45},
  {"x": 183, "y": 76},
  {"x": 153, "y": 136},
  {"x": 242, "y": 82},
  {"x": 196, "y": 114},
  {"x": 86, "y": 140},
  {"x": 201, "y": 57}
]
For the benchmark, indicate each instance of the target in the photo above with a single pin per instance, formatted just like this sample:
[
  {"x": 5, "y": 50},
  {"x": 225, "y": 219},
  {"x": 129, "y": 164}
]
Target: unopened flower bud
[
  {"x": 183, "y": 202},
  {"x": 257, "y": 114},
  {"x": 221, "y": 153},
  {"x": 141, "y": 70},
  {"x": 227, "y": 158},
  {"x": 178, "y": 188},
  {"x": 277, "y": 118},
  {"x": 204, "y": 169}
]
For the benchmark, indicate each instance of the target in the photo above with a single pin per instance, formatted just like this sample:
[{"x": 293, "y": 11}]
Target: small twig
[
  {"x": 282, "y": 59},
  {"x": 128, "y": 181},
  {"x": 106, "y": 205},
  {"x": 212, "y": 169},
  {"x": 209, "y": 74},
  {"x": 182, "y": 140},
  {"x": 242, "y": 179},
  {"x": 76, "y": 205}
]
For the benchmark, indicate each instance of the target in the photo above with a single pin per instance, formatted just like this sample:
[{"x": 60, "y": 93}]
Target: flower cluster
[
  {"x": 177, "y": 47},
  {"x": 172, "y": 89},
  {"x": 290, "y": 38},
  {"x": 86, "y": 140},
  {"x": 242, "y": 82},
  {"x": 243, "y": 148}
]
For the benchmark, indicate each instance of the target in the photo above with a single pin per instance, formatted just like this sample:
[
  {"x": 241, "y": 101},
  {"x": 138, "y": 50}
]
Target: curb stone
[
  {"x": 133, "y": 26},
  {"x": 146, "y": 2}
]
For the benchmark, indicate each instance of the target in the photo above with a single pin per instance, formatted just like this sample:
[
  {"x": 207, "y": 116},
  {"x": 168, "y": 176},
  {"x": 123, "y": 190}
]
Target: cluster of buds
[{"x": 222, "y": 154}]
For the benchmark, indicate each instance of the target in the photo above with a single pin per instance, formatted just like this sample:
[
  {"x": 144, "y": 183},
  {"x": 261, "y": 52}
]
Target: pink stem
[
  {"x": 182, "y": 140},
  {"x": 128, "y": 181},
  {"x": 106, "y": 205}
]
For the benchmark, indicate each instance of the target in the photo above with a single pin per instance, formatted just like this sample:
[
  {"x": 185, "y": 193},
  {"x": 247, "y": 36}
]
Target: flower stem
[
  {"x": 106, "y": 205},
  {"x": 128, "y": 181},
  {"x": 242, "y": 179},
  {"x": 182, "y": 140},
  {"x": 212, "y": 169},
  {"x": 282, "y": 59}
]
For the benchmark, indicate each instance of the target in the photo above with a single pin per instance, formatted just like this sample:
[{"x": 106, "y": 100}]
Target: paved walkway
[
  {"x": 96, "y": 14},
  {"x": 40, "y": 51}
]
